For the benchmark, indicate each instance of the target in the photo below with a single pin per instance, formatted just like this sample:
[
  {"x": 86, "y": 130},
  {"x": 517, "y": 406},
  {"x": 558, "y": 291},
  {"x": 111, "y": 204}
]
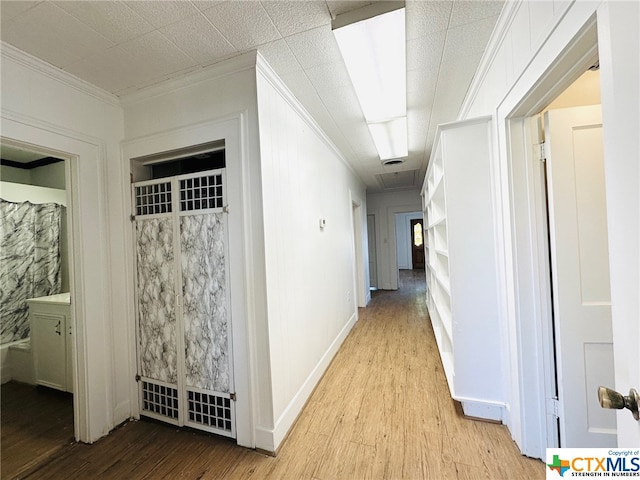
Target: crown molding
[
  {"x": 38, "y": 65},
  {"x": 229, "y": 66},
  {"x": 263, "y": 68}
]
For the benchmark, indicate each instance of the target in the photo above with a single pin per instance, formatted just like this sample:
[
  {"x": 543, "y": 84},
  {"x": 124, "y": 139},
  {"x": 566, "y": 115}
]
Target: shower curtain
[{"x": 29, "y": 261}]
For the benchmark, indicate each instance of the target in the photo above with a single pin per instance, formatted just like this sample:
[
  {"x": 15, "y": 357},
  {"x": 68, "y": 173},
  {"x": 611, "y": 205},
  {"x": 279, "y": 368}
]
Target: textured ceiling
[{"x": 122, "y": 46}]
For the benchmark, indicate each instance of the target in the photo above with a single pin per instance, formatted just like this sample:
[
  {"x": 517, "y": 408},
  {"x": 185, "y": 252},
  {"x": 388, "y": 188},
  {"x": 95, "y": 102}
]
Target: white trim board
[{"x": 567, "y": 48}]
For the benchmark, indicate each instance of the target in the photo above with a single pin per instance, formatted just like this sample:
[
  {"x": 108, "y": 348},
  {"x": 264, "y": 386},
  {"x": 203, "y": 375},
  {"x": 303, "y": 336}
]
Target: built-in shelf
[
  {"x": 437, "y": 221},
  {"x": 460, "y": 263}
]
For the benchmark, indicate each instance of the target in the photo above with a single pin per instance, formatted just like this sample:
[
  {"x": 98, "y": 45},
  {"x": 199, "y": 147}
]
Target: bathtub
[{"x": 16, "y": 363}]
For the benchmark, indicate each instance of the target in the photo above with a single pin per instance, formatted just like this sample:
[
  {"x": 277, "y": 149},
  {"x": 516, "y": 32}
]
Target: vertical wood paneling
[
  {"x": 540, "y": 21},
  {"x": 303, "y": 180},
  {"x": 520, "y": 33}
]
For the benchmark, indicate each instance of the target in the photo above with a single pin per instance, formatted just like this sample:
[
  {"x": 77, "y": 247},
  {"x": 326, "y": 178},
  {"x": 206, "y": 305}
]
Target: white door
[{"x": 580, "y": 274}]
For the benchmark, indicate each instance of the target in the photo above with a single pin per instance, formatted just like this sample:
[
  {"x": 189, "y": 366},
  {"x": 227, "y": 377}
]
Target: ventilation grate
[
  {"x": 153, "y": 199},
  {"x": 160, "y": 399},
  {"x": 201, "y": 193},
  {"x": 210, "y": 410},
  {"x": 404, "y": 179}
]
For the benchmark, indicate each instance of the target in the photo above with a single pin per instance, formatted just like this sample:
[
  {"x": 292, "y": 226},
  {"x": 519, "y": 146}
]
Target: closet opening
[{"x": 183, "y": 327}]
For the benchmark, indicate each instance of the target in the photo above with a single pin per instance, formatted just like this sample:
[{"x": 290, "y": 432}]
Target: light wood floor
[{"x": 382, "y": 411}]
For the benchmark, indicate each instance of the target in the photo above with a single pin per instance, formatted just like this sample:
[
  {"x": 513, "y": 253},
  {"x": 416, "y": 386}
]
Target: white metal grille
[
  {"x": 160, "y": 399},
  {"x": 153, "y": 199},
  {"x": 209, "y": 410},
  {"x": 201, "y": 193}
]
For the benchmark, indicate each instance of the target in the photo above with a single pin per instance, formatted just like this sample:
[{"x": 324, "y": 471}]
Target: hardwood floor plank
[{"x": 36, "y": 423}]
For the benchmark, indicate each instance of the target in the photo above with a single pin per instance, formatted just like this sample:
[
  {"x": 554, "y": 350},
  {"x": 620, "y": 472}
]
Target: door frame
[
  {"x": 522, "y": 217},
  {"x": 372, "y": 252},
  {"x": 393, "y": 247},
  {"x": 232, "y": 129},
  {"x": 360, "y": 262},
  {"x": 84, "y": 157}
]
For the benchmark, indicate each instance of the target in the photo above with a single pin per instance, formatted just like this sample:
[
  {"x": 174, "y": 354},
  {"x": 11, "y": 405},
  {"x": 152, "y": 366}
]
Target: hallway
[{"x": 382, "y": 411}]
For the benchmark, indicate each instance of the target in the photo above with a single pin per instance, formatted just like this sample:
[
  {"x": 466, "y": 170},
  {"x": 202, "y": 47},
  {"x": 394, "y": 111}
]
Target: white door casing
[
  {"x": 580, "y": 274},
  {"x": 371, "y": 230}
]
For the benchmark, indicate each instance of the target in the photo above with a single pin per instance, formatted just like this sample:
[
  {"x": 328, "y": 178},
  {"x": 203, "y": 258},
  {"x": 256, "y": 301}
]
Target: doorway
[
  {"x": 185, "y": 358},
  {"x": 405, "y": 241},
  {"x": 535, "y": 301},
  {"x": 579, "y": 260},
  {"x": 38, "y": 344},
  {"x": 416, "y": 233},
  {"x": 226, "y": 133}
]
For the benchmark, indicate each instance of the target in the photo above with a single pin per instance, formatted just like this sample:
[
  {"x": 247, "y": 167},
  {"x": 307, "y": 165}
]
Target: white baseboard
[
  {"x": 122, "y": 412},
  {"x": 265, "y": 440},
  {"x": 483, "y": 409},
  {"x": 269, "y": 439}
]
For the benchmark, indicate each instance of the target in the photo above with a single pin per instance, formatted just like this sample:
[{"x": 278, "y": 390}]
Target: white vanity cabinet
[{"x": 51, "y": 341}]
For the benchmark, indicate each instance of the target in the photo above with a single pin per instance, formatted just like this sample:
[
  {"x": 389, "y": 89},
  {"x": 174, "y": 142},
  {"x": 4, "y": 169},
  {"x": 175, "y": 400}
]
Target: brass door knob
[{"x": 609, "y": 398}]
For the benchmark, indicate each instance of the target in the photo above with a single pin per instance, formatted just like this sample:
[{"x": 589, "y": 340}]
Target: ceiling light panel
[
  {"x": 372, "y": 41},
  {"x": 390, "y": 138},
  {"x": 374, "y": 52}
]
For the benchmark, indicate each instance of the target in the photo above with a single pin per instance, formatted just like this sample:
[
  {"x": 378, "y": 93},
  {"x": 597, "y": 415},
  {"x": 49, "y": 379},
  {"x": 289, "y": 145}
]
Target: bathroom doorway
[{"x": 37, "y": 347}]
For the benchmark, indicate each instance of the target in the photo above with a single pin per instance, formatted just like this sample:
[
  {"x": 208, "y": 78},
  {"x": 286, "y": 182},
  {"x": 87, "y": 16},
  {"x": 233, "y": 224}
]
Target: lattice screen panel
[
  {"x": 209, "y": 410},
  {"x": 160, "y": 399},
  {"x": 153, "y": 198},
  {"x": 201, "y": 193}
]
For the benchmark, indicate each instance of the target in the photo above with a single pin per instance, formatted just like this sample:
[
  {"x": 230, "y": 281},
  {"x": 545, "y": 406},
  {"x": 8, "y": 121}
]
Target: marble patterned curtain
[
  {"x": 29, "y": 261},
  {"x": 202, "y": 242}
]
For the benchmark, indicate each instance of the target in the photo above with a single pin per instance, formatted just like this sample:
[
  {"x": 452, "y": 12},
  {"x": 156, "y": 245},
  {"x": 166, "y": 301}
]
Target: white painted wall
[
  {"x": 384, "y": 206},
  {"x": 15, "y": 175},
  {"x": 51, "y": 176},
  {"x": 404, "y": 239},
  {"x": 19, "y": 192},
  {"x": 530, "y": 39},
  {"x": 310, "y": 272},
  {"x": 58, "y": 115},
  {"x": 294, "y": 282}
]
